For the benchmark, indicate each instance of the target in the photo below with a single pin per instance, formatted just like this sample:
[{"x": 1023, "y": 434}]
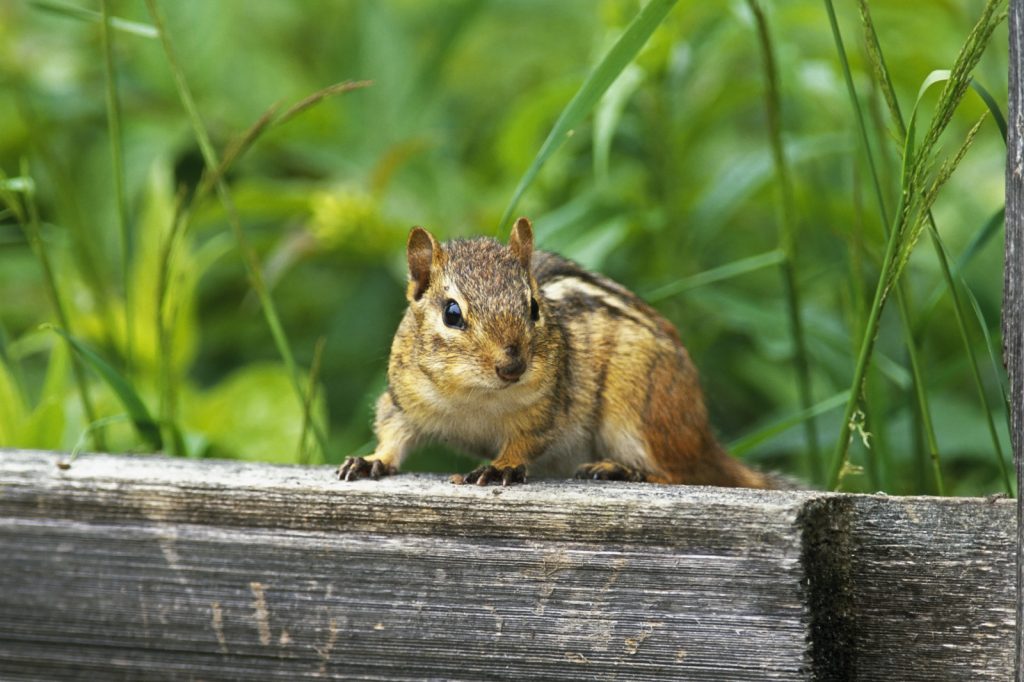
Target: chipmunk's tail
[
  {"x": 777, "y": 481},
  {"x": 749, "y": 477},
  {"x": 693, "y": 457},
  {"x": 679, "y": 438}
]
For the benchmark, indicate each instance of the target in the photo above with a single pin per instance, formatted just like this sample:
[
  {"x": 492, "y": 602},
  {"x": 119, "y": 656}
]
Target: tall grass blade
[
  {"x": 972, "y": 358},
  {"x": 858, "y": 254},
  {"x": 236, "y": 148},
  {"x": 318, "y": 96},
  {"x": 721, "y": 273},
  {"x": 856, "y": 395},
  {"x": 978, "y": 241},
  {"x": 163, "y": 319},
  {"x": 742, "y": 446},
  {"x": 143, "y": 422},
  {"x": 928, "y": 428},
  {"x": 881, "y": 72},
  {"x": 923, "y": 412},
  {"x": 787, "y": 241},
  {"x": 993, "y": 107},
  {"x": 307, "y": 405},
  {"x": 609, "y": 68},
  {"x": 993, "y": 355},
  {"x": 950, "y": 276},
  {"x": 855, "y": 102},
  {"x": 83, "y": 14},
  {"x": 117, "y": 158},
  {"x": 917, "y": 194},
  {"x": 91, "y": 428},
  {"x": 270, "y": 119},
  {"x": 608, "y": 114},
  {"x": 249, "y": 258},
  {"x": 960, "y": 77},
  {"x": 88, "y": 253}
]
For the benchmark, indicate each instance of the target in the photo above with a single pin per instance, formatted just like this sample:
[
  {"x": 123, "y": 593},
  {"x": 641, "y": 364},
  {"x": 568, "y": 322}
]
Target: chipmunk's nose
[{"x": 513, "y": 367}]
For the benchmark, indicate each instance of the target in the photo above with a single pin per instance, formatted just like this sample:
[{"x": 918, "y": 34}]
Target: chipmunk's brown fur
[{"x": 589, "y": 379}]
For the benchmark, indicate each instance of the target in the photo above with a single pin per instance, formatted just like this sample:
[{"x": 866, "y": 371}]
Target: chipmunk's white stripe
[{"x": 568, "y": 286}]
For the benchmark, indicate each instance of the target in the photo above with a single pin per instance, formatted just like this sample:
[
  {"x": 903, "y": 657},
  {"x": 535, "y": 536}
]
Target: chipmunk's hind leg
[
  {"x": 626, "y": 456},
  {"x": 609, "y": 470}
]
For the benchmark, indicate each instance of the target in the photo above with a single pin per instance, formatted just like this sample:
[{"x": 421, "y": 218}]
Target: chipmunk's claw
[
  {"x": 492, "y": 474},
  {"x": 607, "y": 470},
  {"x": 354, "y": 468}
]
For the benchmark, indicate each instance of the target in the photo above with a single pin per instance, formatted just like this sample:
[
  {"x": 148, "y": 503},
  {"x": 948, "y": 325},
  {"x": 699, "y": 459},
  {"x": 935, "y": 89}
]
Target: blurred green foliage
[{"x": 672, "y": 176}]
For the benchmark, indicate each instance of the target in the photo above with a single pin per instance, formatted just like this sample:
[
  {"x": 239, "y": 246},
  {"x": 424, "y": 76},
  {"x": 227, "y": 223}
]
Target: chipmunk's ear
[
  {"x": 521, "y": 242},
  {"x": 424, "y": 255}
]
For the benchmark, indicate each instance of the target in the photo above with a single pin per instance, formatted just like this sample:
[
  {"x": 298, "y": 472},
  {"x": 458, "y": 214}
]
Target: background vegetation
[{"x": 688, "y": 181}]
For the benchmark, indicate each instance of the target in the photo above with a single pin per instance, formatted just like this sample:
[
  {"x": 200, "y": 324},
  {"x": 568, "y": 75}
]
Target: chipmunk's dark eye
[
  {"x": 534, "y": 309},
  {"x": 453, "y": 315}
]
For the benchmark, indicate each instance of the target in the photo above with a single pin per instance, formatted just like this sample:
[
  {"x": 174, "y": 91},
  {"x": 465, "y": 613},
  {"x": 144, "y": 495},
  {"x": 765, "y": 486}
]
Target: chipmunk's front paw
[
  {"x": 492, "y": 474},
  {"x": 607, "y": 470},
  {"x": 354, "y": 468}
]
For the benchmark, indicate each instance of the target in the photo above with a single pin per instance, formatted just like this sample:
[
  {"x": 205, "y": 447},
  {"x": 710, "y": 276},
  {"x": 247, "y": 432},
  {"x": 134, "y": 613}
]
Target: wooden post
[{"x": 1013, "y": 291}]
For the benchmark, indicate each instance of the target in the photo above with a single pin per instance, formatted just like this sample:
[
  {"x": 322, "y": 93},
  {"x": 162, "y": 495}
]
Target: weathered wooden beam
[
  {"x": 1013, "y": 289},
  {"x": 156, "y": 568},
  {"x": 933, "y": 587}
]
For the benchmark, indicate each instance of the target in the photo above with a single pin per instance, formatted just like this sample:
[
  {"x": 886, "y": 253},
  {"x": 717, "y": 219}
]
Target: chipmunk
[{"x": 525, "y": 355}]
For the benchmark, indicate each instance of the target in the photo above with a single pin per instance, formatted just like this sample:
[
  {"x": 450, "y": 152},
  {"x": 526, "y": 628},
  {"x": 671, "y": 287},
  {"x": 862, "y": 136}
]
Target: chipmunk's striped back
[{"x": 638, "y": 393}]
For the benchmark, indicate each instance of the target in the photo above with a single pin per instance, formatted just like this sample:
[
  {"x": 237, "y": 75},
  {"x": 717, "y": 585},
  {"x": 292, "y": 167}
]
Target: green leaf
[
  {"x": 44, "y": 428},
  {"x": 143, "y": 422},
  {"x": 937, "y": 76},
  {"x": 252, "y": 414},
  {"x": 613, "y": 63}
]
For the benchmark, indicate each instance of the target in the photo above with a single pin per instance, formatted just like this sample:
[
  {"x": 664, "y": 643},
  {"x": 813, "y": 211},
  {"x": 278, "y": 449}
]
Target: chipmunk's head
[{"x": 477, "y": 309}]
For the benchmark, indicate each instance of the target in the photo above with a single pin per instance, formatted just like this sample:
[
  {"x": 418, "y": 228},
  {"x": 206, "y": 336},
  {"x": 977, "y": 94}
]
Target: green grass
[
  {"x": 117, "y": 171},
  {"x": 787, "y": 244},
  {"x": 611, "y": 66},
  {"x": 253, "y": 267},
  {"x": 227, "y": 269},
  {"x": 918, "y": 191}
]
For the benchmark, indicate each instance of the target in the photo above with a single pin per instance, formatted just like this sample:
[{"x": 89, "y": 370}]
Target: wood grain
[
  {"x": 161, "y": 568},
  {"x": 933, "y": 588},
  {"x": 169, "y": 569},
  {"x": 1013, "y": 289}
]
